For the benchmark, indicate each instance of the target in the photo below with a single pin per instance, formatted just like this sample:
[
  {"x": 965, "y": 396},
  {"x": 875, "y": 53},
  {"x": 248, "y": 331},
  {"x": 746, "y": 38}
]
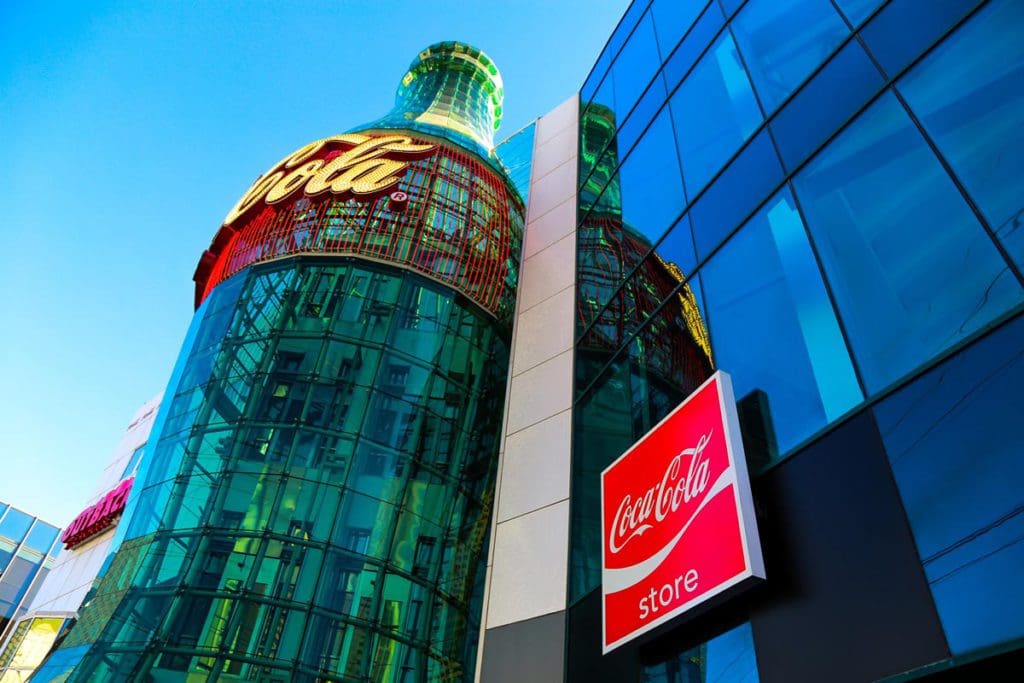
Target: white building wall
[
  {"x": 523, "y": 622},
  {"x": 75, "y": 570}
]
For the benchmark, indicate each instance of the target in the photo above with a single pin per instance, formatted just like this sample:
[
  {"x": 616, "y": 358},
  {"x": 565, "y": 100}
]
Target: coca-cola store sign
[{"x": 677, "y": 517}]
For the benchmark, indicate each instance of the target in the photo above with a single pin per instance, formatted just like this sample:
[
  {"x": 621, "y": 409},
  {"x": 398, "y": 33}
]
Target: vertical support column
[{"x": 523, "y": 627}]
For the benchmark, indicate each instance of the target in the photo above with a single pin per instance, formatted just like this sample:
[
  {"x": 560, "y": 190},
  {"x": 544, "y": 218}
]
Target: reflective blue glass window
[
  {"x": 715, "y": 112},
  {"x": 735, "y": 193},
  {"x": 635, "y": 66},
  {"x": 969, "y": 95},
  {"x": 783, "y": 41},
  {"x": 773, "y": 328},
  {"x": 641, "y": 115},
  {"x": 912, "y": 270},
  {"x": 729, "y": 658},
  {"x": 954, "y": 440},
  {"x": 622, "y": 32},
  {"x": 615, "y": 42},
  {"x": 858, "y": 10},
  {"x": 904, "y": 29},
  {"x": 825, "y": 103},
  {"x": 15, "y": 525},
  {"x": 731, "y": 5},
  {"x": 652, "y": 191},
  {"x": 697, "y": 40},
  {"x": 672, "y": 18},
  {"x": 41, "y": 537},
  {"x": 677, "y": 246}
]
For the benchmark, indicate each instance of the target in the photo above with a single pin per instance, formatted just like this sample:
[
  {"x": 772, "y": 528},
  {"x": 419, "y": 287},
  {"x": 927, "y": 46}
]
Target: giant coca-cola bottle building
[{"x": 317, "y": 496}]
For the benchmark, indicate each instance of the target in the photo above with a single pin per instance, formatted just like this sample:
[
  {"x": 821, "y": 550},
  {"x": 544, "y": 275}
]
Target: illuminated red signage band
[
  {"x": 677, "y": 518},
  {"x": 98, "y": 517}
]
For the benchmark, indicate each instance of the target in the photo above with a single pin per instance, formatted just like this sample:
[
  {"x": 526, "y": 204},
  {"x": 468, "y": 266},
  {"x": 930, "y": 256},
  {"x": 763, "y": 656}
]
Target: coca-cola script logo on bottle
[{"x": 677, "y": 519}]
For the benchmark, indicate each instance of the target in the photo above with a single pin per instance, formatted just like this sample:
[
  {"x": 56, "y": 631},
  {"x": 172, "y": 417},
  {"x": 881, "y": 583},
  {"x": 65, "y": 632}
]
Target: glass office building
[
  {"x": 840, "y": 184},
  {"x": 317, "y": 500},
  {"x": 27, "y": 547}
]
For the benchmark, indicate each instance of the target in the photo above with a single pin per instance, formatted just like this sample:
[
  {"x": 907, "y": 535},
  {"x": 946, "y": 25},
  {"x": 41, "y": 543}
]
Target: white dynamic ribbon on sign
[{"x": 616, "y": 580}]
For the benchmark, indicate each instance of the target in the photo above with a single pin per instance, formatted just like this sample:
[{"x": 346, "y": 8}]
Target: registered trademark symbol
[{"x": 398, "y": 201}]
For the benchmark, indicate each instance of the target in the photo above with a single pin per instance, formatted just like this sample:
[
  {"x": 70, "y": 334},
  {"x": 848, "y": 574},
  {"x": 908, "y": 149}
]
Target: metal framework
[{"x": 460, "y": 225}]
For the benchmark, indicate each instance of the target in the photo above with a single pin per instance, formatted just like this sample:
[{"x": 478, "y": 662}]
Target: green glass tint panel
[
  {"x": 912, "y": 269},
  {"x": 319, "y": 495},
  {"x": 452, "y": 90},
  {"x": 968, "y": 96}
]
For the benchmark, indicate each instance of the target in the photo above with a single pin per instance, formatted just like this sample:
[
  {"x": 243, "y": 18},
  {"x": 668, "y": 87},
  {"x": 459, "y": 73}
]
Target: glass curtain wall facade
[
  {"x": 317, "y": 502},
  {"x": 28, "y": 546},
  {"x": 836, "y": 189}
]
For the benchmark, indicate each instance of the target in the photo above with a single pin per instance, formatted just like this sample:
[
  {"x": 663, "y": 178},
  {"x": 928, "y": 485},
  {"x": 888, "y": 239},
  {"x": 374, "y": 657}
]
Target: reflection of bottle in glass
[
  {"x": 318, "y": 499},
  {"x": 675, "y": 348},
  {"x": 623, "y": 288}
]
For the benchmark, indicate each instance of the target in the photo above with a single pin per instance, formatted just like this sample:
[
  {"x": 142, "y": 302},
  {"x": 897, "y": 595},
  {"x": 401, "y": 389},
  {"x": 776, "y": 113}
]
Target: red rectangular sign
[{"x": 676, "y": 517}]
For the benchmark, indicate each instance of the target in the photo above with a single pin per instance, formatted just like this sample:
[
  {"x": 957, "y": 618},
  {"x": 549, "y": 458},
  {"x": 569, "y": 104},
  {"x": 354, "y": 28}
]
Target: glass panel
[
  {"x": 641, "y": 115},
  {"x": 398, "y": 395},
  {"x": 15, "y": 525},
  {"x": 736, "y": 193},
  {"x": 635, "y": 66},
  {"x": 652, "y": 191},
  {"x": 906, "y": 28},
  {"x": 626, "y": 24},
  {"x": 715, "y": 112},
  {"x": 38, "y": 640},
  {"x": 16, "y": 582},
  {"x": 969, "y": 98},
  {"x": 41, "y": 537},
  {"x": 602, "y": 430},
  {"x": 826, "y": 102},
  {"x": 783, "y": 41},
  {"x": 691, "y": 49},
  {"x": 954, "y": 441},
  {"x": 729, "y": 658},
  {"x": 912, "y": 270},
  {"x": 133, "y": 461},
  {"x": 672, "y": 18},
  {"x": 765, "y": 284},
  {"x": 857, "y": 10}
]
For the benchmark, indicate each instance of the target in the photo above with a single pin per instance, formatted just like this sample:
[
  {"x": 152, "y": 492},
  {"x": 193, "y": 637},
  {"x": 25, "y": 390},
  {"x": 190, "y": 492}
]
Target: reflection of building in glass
[{"x": 318, "y": 497}]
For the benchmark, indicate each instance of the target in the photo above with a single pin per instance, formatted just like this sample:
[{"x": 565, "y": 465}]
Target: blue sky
[{"x": 128, "y": 129}]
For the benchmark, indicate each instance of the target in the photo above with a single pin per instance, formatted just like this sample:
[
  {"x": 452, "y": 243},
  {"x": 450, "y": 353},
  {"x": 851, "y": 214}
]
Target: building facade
[
  {"x": 822, "y": 198},
  {"x": 27, "y": 549},
  {"x": 80, "y": 552},
  {"x": 380, "y": 454}
]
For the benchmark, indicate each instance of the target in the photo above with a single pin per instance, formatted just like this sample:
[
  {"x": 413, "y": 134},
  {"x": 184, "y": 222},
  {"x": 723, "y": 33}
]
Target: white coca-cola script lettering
[{"x": 638, "y": 515}]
